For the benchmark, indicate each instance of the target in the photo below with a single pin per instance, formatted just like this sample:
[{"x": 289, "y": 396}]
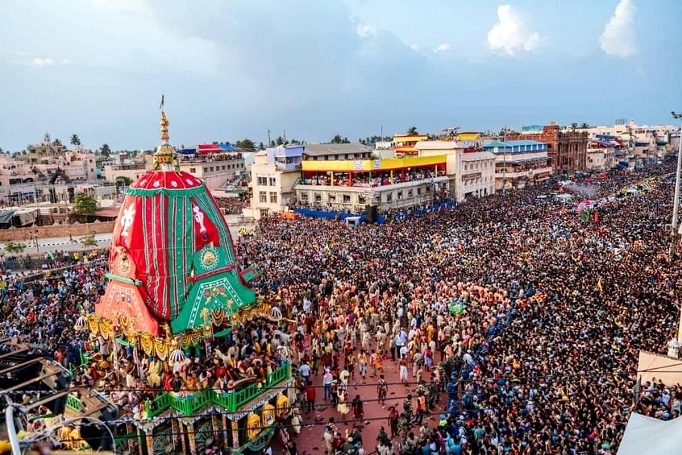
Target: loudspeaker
[{"x": 371, "y": 213}]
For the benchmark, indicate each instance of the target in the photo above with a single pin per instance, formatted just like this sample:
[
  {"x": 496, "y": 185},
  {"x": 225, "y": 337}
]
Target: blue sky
[{"x": 235, "y": 68}]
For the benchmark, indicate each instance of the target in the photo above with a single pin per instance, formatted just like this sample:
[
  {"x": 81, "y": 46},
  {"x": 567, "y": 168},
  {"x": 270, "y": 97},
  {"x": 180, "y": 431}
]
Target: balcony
[
  {"x": 365, "y": 188},
  {"x": 230, "y": 402},
  {"x": 528, "y": 173},
  {"x": 285, "y": 167}
]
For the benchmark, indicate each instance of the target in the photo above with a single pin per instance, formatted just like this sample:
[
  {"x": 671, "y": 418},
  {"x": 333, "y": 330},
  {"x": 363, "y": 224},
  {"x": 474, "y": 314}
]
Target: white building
[
  {"x": 471, "y": 171},
  {"x": 601, "y": 155},
  {"x": 274, "y": 173}
]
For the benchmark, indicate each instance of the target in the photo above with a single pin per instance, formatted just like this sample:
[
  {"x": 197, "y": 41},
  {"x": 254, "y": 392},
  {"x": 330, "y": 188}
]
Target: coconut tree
[
  {"x": 412, "y": 131},
  {"x": 584, "y": 126},
  {"x": 75, "y": 140}
]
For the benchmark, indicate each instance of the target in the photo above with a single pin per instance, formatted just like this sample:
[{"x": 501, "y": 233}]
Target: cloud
[
  {"x": 512, "y": 33},
  {"x": 618, "y": 37},
  {"x": 41, "y": 62},
  {"x": 137, "y": 6},
  {"x": 442, "y": 47},
  {"x": 365, "y": 31}
]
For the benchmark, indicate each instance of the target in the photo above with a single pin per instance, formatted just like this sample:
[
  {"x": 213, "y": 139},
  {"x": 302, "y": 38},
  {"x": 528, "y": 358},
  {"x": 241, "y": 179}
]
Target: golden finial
[
  {"x": 164, "y": 123},
  {"x": 165, "y": 154}
]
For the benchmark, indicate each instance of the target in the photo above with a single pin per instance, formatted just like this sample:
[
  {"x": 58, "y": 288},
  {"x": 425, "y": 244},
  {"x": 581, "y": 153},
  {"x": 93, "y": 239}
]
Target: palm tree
[
  {"x": 412, "y": 131},
  {"x": 574, "y": 126},
  {"x": 584, "y": 126},
  {"x": 75, "y": 140}
]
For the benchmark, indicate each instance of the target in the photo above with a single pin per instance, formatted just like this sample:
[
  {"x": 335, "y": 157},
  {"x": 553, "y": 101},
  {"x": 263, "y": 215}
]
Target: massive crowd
[
  {"x": 537, "y": 313},
  {"x": 523, "y": 319}
]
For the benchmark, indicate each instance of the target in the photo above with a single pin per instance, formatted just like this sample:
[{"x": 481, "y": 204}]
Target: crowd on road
[
  {"x": 527, "y": 316},
  {"x": 513, "y": 320}
]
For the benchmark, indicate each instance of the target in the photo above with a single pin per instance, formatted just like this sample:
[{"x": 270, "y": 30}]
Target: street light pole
[{"x": 676, "y": 199}]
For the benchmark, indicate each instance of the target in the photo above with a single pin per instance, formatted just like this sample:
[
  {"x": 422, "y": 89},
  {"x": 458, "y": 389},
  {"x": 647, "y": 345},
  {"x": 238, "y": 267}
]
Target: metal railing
[{"x": 230, "y": 401}]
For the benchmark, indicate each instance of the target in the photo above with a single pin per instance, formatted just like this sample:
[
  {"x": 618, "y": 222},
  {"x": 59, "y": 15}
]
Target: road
[{"x": 53, "y": 244}]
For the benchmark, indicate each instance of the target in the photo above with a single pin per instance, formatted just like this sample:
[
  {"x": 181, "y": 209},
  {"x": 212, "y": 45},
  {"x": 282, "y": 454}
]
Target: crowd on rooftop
[{"x": 517, "y": 321}]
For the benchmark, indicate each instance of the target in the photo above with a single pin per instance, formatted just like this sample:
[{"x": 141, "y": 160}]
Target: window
[
  {"x": 273, "y": 197},
  {"x": 318, "y": 197},
  {"x": 273, "y": 181},
  {"x": 346, "y": 198},
  {"x": 304, "y": 197},
  {"x": 389, "y": 196},
  {"x": 361, "y": 199},
  {"x": 263, "y": 196},
  {"x": 264, "y": 212},
  {"x": 192, "y": 170},
  {"x": 400, "y": 195},
  {"x": 262, "y": 180},
  {"x": 331, "y": 197}
]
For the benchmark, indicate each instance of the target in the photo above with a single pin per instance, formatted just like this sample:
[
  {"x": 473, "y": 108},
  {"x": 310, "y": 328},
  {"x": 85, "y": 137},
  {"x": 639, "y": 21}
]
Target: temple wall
[{"x": 56, "y": 230}]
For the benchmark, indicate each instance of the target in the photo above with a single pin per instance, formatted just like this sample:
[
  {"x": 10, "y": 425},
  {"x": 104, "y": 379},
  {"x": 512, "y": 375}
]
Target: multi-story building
[
  {"x": 405, "y": 144},
  {"x": 470, "y": 170},
  {"x": 217, "y": 169},
  {"x": 274, "y": 173},
  {"x": 126, "y": 168},
  {"x": 601, "y": 155},
  {"x": 330, "y": 152},
  {"x": 43, "y": 160},
  {"x": 519, "y": 163},
  {"x": 566, "y": 148},
  {"x": 388, "y": 184}
]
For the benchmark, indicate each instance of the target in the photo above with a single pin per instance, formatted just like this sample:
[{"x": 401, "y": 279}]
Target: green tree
[
  {"x": 84, "y": 206},
  {"x": 261, "y": 146},
  {"x": 412, "y": 131},
  {"x": 105, "y": 150},
  {"x": 584, "y": 125},
  {"x": 122, "y": 182},
  {"x": 337, "y": 139},
  {"x": 15, "y": 247},
  {"x": 75, "y": 140},
  {"x": 574, "y": 126},
  {"x": 280, "y": 141},
  {"x": 246, "y": 145},
  {"x": 88, "y": 240}
]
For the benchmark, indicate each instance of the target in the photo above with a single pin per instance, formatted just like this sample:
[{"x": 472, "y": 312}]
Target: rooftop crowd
[{"x": 526, "y": 318}]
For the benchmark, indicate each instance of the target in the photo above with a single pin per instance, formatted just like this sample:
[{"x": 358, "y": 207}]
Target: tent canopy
[{"x": 648, "y": 435}]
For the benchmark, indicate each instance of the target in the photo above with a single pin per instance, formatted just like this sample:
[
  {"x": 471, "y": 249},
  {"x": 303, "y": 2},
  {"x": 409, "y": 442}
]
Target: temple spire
[{"x": 164, "y": 157}]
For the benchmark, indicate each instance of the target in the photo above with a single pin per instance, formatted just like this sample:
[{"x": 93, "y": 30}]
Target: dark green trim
[{"x": 167, "y": 191}]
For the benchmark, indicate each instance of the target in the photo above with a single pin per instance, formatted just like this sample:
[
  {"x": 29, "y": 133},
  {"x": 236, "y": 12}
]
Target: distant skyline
[{"x": 234, "y": 69}]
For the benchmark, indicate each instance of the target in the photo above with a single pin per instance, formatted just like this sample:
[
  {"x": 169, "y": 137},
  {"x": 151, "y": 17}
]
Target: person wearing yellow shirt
[{"x": 362, "y": 364}]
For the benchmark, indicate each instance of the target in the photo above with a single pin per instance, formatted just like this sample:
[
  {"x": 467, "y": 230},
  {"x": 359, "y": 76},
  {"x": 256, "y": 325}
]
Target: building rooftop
[
  {"x": 477, "y": 156},
  {"x": 334, "y": 149},
  {"x": 439, "y": 145}
]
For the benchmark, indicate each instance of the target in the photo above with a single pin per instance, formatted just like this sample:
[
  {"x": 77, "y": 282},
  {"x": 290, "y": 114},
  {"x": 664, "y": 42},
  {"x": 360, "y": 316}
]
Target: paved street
[{"x": 235, "y": 222}]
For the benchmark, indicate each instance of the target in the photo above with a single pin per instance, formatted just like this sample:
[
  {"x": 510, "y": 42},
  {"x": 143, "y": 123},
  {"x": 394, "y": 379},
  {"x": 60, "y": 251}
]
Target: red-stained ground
[{"x": 310, "y": 440}]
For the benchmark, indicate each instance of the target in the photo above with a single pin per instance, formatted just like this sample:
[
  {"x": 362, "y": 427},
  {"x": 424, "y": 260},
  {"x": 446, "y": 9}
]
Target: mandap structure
[{"x": 175, "y": 287}]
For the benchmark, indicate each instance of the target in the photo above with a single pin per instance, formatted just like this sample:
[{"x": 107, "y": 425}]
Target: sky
[{"x": 311, "y": 69}]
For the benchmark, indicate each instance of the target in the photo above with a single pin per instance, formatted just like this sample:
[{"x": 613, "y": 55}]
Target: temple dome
[{"x": 172, "y": 258}]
